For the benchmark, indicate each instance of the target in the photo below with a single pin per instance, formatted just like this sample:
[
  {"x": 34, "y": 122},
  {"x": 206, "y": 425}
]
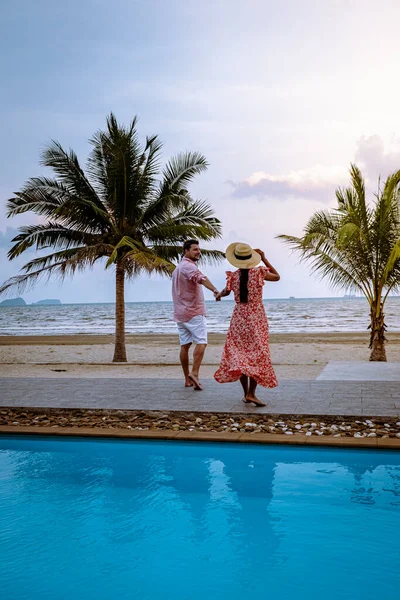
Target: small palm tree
[
  {"x": 124, "y": 211},
  {"x": 357, "y": 247}
]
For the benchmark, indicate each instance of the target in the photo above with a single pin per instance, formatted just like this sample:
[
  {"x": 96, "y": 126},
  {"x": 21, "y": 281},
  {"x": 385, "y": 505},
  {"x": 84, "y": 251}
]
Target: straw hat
[{"x": 242, "y": 255}]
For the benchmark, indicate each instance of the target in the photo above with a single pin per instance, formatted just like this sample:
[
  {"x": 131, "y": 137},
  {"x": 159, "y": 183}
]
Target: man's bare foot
[
  {"x": 188, "y": 382},
  {"x": 254, "y": 400},
  {"x": 196, "y": 383}
]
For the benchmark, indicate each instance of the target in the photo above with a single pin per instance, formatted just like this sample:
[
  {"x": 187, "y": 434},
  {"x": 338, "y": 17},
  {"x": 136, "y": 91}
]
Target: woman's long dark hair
[{"x": 244, "y": 292}]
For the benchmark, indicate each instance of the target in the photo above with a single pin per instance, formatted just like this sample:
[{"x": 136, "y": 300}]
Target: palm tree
[
  {"x": 125, "y": 211},
  {"x": 357, "y": 247}
]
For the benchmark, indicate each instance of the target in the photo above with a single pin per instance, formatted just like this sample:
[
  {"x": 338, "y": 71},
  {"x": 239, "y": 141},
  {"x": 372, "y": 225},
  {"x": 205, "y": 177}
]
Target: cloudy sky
[{"x": 279, "y": 96}]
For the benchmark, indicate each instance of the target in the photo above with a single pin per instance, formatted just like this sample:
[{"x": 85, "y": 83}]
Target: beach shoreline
[
  {"x": 168, "y": 338},
  {"x": 294, "y": 355}
]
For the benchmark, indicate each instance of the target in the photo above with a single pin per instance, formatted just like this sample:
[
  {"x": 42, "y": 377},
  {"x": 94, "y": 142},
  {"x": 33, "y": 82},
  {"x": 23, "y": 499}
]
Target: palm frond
[
  {"x": 40, "y": 195},
  {"x": 147, "y": 261},
  {"x": 125, "y": 244},
  {"x": 46, "y": 235},
  {"x": 182, "y": 169},
  {"x": 62, "y": 264}
]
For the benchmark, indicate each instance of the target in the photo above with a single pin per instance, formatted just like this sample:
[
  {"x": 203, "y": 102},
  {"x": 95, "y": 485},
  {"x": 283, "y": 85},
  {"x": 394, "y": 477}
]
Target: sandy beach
[{"x": 294, "y": 356}]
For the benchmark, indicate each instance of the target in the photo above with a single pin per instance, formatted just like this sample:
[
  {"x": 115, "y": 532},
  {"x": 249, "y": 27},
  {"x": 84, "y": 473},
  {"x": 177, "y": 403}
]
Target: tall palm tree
[
  {"x": 125, "y": 210},
  {"x": 357, "y": 247}
]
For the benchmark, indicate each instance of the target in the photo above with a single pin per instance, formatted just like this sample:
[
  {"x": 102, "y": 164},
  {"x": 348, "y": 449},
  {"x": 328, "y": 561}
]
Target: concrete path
[
  {"x": 360, "y": 371},
  {"x": 374, "y": 398}
]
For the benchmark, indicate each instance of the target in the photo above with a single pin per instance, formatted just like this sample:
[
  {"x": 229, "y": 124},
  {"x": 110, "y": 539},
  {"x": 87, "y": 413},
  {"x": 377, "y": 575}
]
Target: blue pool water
[{"x": 102, "y": 519}]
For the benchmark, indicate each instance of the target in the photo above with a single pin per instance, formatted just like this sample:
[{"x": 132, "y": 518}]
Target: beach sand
[{"x": 294, "y": 356}]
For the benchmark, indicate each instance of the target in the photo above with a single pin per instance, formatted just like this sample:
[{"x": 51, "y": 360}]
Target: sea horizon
[
  {"x": 208, "y": 301},
  {"x": 285, "y": 315}
]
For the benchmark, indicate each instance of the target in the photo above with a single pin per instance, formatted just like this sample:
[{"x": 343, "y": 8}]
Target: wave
[{"x": 297, "y": 316}]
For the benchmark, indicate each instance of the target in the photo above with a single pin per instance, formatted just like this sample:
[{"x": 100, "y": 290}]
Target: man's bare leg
[
  {"x": 198, "y": 355},
  {"x": 184, "y": 358},
  {"x": 251, "y": 394}
]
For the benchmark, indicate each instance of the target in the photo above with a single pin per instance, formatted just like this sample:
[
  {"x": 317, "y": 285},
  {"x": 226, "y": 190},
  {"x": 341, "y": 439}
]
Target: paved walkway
[
  {"x": 372, "y": 398},
  {"x": 360, "y": 371}
]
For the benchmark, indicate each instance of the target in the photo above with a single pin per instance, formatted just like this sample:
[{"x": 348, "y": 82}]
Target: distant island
[
  {"x": 47, "y": 301},
  {"x": 13, "y": 302},
  {"x": 21, "y": 302}
]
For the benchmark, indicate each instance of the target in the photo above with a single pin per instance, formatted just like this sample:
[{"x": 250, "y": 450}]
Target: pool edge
[{"x": 206, "y": 436}]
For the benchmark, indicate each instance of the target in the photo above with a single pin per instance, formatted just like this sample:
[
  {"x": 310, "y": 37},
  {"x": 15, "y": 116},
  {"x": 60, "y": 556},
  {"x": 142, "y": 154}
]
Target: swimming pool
[{"x": 106, "y": 519}]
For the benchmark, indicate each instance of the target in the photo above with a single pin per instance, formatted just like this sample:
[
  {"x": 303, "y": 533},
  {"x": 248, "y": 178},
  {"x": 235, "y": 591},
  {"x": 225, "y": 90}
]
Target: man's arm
[{"x": 207, "y": 283}]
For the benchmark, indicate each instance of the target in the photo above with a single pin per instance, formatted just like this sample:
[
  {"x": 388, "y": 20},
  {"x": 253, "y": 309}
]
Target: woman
[{"x": 246, "y": 353}]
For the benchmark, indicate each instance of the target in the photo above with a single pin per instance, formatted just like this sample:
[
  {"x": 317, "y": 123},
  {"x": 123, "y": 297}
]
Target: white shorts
[{"x": 194, "y": 330}]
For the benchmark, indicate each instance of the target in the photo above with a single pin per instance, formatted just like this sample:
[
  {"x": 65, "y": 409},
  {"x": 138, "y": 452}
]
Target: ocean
[{"x": 297, "y": 315}]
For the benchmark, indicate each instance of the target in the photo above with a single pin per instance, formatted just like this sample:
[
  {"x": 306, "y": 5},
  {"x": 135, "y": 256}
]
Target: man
[{"x": 190, "y": 310}]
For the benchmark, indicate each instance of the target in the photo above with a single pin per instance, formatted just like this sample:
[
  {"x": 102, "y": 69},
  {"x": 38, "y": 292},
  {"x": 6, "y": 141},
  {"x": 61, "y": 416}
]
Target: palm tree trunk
[
  {"x": 377, "y": 339},
  {"x": 120, "y": 348}
]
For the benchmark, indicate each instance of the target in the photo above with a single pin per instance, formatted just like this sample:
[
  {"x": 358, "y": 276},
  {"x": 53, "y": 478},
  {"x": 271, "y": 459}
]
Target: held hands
[{"x": 217, "y": 295}]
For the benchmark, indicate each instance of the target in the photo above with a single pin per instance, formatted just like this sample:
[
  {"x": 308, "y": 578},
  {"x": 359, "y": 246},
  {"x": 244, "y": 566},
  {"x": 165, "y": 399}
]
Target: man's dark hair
[{"x": 189, "y": 243}]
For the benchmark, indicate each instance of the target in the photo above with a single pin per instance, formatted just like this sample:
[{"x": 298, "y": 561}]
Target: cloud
[
  {"x": 318, "y": 182},
  {"x": 371, "y": 157}
]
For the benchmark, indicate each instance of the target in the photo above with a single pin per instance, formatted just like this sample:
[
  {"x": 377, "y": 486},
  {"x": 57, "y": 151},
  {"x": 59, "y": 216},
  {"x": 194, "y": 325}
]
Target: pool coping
[{"x": 204, "y": 436}]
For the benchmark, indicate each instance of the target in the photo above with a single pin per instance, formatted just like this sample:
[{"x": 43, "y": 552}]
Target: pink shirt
[{"x": 187, "y": 291}]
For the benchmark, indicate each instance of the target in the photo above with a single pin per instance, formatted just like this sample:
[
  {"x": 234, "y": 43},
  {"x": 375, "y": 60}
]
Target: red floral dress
[{"x": 246, "y": 350}]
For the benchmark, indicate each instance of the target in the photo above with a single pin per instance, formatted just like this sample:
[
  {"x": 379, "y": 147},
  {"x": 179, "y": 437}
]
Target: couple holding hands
[{"x": 246, "y": 355}]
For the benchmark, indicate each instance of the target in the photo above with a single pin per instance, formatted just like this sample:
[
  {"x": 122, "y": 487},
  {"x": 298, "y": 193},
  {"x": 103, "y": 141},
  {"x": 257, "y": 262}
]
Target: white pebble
[
  {"x": 337, "y": 435},
  {"x": 298, "y": 426},
  {"x": 308, "y": 433},
  {"x": 319, "y": 432},
  {"x": 371, "y": 435},
  {"x": 289, "y": 432},
  {"x": 313, "y": 424},
  {"x": 251, "y": 425},
  {"x": 398, "y": 435}
]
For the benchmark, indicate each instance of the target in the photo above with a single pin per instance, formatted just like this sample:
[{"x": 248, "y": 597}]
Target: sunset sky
[{"x": 279, "y": 96}]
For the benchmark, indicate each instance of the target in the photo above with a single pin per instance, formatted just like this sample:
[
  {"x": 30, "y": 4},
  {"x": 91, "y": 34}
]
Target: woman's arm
[{"x": 272, "y": 274}]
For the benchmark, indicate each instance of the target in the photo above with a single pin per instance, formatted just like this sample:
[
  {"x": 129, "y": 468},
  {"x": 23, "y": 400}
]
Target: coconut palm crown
[
  {"x": 125, "y": 210},
  {"x": 356, "y": 247}
]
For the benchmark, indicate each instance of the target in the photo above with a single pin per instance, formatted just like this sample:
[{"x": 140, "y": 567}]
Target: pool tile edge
[{"x": 206, "y": 436}]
